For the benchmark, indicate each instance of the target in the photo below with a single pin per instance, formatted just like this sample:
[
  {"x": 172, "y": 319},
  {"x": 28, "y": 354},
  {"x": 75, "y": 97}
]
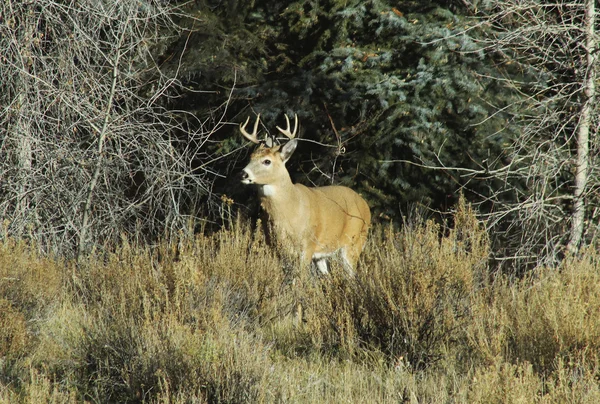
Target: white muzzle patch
[{"x": 247, "y": 177}]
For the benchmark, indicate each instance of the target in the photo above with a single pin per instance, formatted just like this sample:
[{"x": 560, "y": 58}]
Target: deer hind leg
[
  {"x": 319, "y": 259},
  {"x": 306, "y": 262},
  {"x": 321, "y": 264},
  {"x": 349, "y": 261},
  {"x": 351, "y": 252}
]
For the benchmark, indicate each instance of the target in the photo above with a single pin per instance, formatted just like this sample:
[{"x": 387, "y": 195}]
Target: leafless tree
[
  {"x": 90, "y": 149},
  {"x": 546, "y": 206}
]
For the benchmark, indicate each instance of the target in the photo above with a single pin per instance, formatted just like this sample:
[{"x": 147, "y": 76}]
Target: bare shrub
[
  {"x": 544, "y": 199},
  {"x": 90, "y": 150}
]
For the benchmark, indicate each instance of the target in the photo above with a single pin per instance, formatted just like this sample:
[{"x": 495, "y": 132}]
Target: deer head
[{"x": 267, "y": 163}]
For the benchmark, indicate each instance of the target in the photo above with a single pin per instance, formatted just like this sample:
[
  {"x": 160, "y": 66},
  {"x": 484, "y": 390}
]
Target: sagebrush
[{"x": 211, "y": 319}]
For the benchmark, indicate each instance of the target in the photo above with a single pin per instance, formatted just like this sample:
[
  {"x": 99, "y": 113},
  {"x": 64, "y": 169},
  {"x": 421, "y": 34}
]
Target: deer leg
[
  {"x": 322, "y": 266},
  {"x": 349, "y": 262}
]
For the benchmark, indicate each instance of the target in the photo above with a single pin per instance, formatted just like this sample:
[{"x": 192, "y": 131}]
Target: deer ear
[{"x": 288, "y": 149}]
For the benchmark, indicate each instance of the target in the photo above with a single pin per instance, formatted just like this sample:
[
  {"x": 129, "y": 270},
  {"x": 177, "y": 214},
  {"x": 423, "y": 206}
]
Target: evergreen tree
[{"x": 382, "y": 89}]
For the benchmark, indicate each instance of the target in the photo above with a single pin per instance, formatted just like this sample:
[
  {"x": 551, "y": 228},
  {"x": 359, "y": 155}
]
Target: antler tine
[
  {"x": 253, "y": 136},
  {"x": 287, "y": 132}
]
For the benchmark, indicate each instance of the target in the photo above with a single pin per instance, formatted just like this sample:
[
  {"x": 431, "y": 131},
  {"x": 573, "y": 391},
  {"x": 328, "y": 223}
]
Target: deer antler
[
  {"x": 287, "y": 132},
  {"x": 253, "y": 136}
]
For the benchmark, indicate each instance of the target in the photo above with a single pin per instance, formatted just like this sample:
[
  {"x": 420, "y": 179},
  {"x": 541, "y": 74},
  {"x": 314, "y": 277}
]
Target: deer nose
[{"x": 243, "y": 175}]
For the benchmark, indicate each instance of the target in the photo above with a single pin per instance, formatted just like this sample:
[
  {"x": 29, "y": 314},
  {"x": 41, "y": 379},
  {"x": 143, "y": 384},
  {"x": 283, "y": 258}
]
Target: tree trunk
[
  {"x": 100, "y": 154},
  {"x": 583, "y": 131}
]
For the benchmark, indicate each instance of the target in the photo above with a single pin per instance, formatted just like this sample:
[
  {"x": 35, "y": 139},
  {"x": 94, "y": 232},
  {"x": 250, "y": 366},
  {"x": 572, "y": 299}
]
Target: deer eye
[{"x": 267, "y": 162}]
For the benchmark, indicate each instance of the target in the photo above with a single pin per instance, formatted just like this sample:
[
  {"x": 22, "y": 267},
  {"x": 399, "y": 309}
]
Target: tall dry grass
[{"x": 212, "y": 320}]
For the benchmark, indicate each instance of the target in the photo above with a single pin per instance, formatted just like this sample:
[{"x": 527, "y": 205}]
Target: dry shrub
[
  {"x": 504, "y": 382},
  {"x": 29, "y": 286},
  {"x": 40, "y": 389},
  {"x": 29, "y": 281},
  {"x": 209, "y": 320},
  {"x": 574, "y": 379},
  {"x": 148, "y": 324},
  {"x": 236, "y": 271},
  {"x": 411, "y": 296},
  {"x": 13, "y": 330},
  {"x": 550, "y": 314},
  {"x": 127, "y": 359},
  {"x": 555, "y": 313}
]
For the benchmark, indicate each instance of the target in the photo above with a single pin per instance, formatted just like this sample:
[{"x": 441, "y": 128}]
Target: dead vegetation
[{"x": 211, "y": 320}]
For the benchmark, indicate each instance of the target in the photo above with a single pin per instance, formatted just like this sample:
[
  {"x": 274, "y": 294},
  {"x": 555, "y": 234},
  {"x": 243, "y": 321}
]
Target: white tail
[{"x": 315, "y": 222}]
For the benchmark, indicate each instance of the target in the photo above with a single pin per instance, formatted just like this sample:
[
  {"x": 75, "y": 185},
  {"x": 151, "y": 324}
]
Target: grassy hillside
[{"x": 213, "y": 320}]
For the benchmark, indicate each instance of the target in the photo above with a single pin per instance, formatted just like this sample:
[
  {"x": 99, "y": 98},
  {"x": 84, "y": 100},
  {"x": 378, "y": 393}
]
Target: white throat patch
[{"x": 268, "y": 190}]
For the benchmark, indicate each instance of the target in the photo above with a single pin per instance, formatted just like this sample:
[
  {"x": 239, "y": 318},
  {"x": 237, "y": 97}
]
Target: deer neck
[
  {"x": 279, "y": 199},
  {"x": 278, "y": 190}
]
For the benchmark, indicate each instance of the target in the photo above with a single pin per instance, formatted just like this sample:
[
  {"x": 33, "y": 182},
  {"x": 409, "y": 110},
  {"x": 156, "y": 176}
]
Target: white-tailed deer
[{"x": 314, "y": 222}]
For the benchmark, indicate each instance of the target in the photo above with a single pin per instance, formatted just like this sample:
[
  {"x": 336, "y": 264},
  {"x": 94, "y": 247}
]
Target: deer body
[{"x": 312, "y": 222}]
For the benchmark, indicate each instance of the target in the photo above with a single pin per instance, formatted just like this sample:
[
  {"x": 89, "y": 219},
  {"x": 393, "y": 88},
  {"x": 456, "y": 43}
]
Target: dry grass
[{"x": 212, "y": 320}]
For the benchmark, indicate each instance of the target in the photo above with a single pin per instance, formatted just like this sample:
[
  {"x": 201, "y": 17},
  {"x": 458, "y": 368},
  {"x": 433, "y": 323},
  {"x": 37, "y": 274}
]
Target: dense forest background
[{"x": 123, "y": 119}]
